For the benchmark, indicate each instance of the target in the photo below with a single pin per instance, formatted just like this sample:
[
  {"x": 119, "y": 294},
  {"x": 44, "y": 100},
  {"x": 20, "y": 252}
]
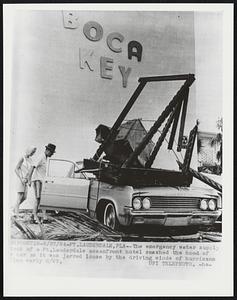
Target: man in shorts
[{"x": 39, "y": 172}]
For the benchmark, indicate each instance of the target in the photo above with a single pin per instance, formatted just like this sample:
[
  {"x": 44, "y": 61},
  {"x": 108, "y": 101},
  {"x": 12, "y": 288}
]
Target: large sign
[{"x": 93, "y": 32}]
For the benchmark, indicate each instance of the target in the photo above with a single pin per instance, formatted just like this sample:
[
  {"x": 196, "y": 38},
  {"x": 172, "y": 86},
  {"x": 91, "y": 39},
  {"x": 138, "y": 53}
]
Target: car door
[{"x": 62, "y": 188}]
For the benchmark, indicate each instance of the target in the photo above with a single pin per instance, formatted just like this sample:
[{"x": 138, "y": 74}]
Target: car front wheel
[{"x": 110, "y": 218}]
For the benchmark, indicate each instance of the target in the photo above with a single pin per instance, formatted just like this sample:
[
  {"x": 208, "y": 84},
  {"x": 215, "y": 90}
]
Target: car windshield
[{"x": 60, "y": 168}]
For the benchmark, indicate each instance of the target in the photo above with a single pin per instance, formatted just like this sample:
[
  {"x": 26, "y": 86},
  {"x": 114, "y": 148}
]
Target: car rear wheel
[{"x": 110, "y": 218}]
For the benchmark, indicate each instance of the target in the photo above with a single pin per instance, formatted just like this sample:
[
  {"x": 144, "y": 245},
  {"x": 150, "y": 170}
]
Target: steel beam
[
  {"x": 189, "y": 150},
  {"x": 180, "y": 94},
  {"x": 182, "y": 123},
  {"x": 162, "y": 137},
  {"x": 165, "y": 78},
  {"x": 174, "y": 127}
]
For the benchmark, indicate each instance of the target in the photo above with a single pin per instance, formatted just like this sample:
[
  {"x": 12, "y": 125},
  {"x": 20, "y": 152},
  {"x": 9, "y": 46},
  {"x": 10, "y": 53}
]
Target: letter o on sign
[{"x": 98, "y": 31}]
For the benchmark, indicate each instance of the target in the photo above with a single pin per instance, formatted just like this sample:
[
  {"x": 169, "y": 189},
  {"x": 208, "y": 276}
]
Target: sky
[{"x": 54, "y": 100}]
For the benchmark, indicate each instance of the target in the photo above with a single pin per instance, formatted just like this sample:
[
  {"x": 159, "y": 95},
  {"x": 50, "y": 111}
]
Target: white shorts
[{"x": 21, "y": 187}]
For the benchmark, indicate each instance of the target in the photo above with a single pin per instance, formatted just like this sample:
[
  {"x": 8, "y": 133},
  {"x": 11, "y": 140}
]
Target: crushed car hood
[{"x": 170, "y": 191}]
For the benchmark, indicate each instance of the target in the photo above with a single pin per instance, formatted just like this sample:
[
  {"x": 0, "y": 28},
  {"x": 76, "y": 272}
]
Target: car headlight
[
  {"x": 146, "y": 203},
  {"x": 219, "y": 201},
  {"x": 137, "y": 203},
  {"x": 203, "y": 204},
  {"x": 212, "y": 204}
]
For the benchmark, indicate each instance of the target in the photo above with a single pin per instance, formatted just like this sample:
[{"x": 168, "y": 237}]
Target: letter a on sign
[
  {"x": 137, "y": 52},
  {"x": 86, "y": 58}
]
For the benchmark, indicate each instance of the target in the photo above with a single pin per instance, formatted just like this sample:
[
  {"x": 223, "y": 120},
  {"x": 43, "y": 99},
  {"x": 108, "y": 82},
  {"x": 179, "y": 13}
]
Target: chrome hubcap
[{"x": 109, "y": 217}]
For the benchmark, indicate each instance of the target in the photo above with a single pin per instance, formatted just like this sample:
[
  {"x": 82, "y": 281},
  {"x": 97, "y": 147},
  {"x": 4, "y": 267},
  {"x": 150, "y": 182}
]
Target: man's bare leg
[
  {"x": 45, "y": 218},
  {"x": 37, "y": 187},
  {"x": 19, "y": 200}
]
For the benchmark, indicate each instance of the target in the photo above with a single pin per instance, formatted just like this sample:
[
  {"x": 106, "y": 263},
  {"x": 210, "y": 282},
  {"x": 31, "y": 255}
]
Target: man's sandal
[{"x": 46, "y": 221}]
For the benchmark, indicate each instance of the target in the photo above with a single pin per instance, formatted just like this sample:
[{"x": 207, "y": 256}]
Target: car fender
[{"x": 120, "y": 196}]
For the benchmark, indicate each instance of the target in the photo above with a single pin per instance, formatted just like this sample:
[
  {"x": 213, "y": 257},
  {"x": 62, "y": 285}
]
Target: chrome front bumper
[{"x": 171, "y": 219}]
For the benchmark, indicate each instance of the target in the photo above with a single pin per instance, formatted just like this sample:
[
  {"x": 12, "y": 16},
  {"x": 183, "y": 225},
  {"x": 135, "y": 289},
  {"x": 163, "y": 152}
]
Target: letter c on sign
[
  {"x": 114, "y": 36},
  {"x": 98, "y": 29}
]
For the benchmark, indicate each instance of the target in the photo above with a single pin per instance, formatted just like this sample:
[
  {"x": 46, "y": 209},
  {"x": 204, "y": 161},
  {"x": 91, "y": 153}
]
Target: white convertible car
[{"x": 65, "y": 189}]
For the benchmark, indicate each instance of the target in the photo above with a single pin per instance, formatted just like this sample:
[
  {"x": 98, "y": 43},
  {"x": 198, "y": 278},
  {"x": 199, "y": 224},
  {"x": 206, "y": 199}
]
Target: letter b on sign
[{"x": 70, "y": 19}]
